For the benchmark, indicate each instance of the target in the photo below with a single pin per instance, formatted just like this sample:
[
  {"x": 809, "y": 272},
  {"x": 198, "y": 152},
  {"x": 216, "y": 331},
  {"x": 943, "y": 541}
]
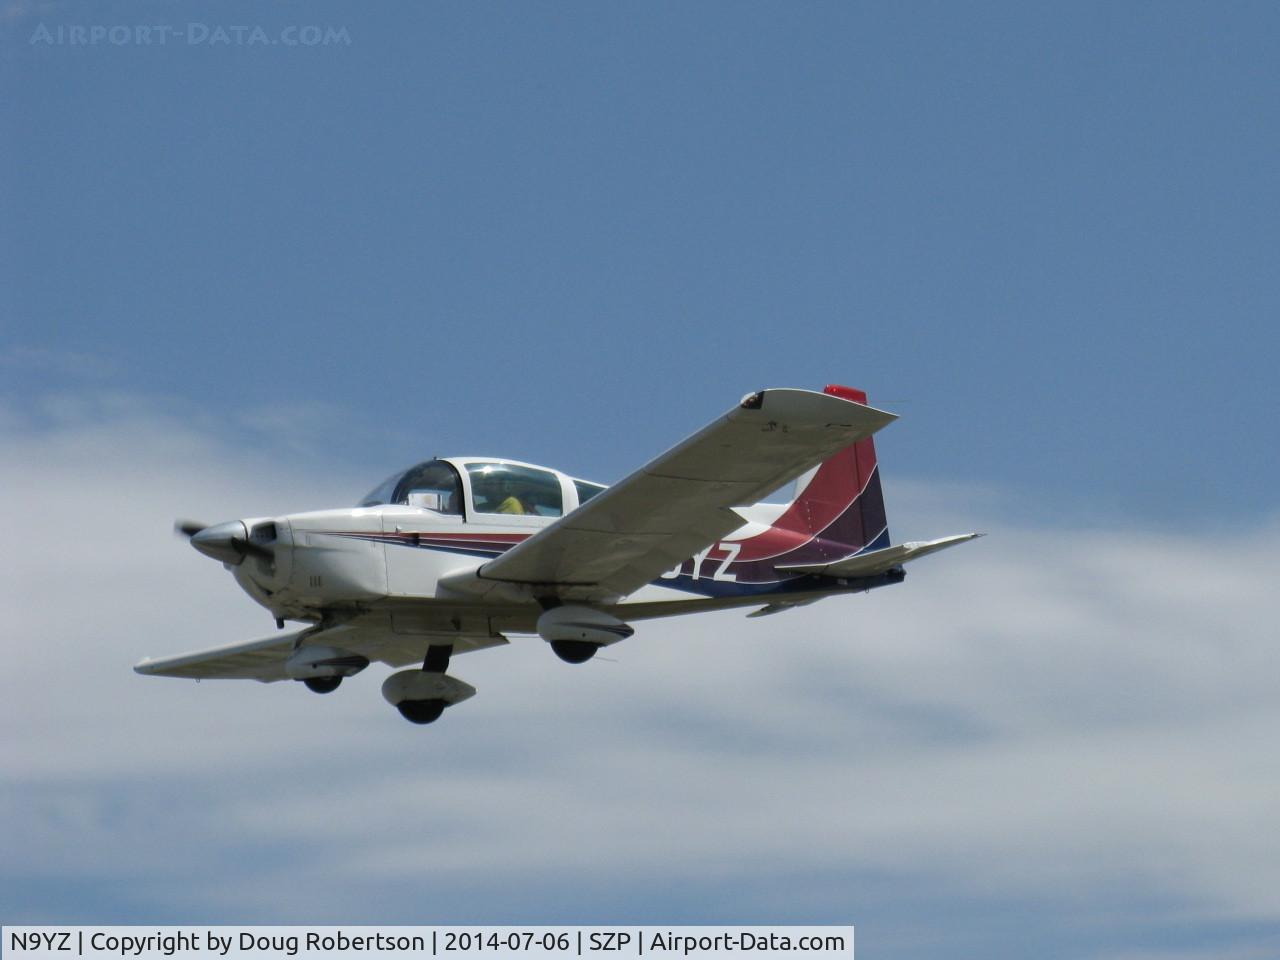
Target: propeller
[
  {"x": 188, "y": 528},
  {"x": 228, "y": 542}
]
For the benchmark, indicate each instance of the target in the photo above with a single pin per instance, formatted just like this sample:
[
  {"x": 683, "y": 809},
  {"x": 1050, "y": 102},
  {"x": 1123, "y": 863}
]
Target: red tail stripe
[{"x": 846, "y": 393}]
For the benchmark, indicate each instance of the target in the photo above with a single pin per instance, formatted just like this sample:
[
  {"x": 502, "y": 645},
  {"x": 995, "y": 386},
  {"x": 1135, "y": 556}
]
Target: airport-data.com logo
[{"x": 189, "y": 35}]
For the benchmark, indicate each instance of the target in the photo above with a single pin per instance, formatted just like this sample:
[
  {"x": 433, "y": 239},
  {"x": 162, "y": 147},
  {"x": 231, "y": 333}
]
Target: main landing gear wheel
[
  {"x": 574, "y": 651},
  {"x": 576, "y": 632},
  {"x": 322, "y": 684},
  {"x": 421, "y": 711}
]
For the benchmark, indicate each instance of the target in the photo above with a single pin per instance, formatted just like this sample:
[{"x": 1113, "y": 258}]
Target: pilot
[{"x": 512, "y": 503}]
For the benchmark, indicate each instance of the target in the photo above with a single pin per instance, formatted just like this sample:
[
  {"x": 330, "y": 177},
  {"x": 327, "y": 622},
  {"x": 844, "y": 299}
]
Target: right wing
[
  {"x": 266, "y": 659},
  {"x": 251, "y": 660},
  {"x": 678, "y": 503}
]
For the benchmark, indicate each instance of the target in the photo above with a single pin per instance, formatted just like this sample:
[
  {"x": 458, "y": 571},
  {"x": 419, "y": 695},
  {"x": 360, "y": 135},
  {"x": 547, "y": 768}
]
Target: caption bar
[{"x": 385, "y": 943}]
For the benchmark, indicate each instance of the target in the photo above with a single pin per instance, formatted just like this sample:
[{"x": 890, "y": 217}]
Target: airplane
[{"x": 456, "y": 553}]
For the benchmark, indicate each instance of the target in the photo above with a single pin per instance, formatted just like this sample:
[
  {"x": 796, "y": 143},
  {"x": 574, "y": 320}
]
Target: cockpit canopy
[
  {"x": 464, "y": 487},
  {"x": 433, "y": 484}
]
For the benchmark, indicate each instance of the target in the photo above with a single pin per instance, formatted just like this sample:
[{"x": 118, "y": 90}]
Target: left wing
[{"x": 673, "y": 506}]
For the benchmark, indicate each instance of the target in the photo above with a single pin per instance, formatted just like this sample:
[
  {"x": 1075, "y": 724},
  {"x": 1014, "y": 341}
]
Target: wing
[
  {"x": 253, "y": 660},
  {"x": 267, "y": 659},
  {"x": 681, "y": 501}
]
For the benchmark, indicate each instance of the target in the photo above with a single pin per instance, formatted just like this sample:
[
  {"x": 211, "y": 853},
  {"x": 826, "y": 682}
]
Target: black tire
[
  {"x": 421, "y": 711},
  {"x": 574, "y": 651},
  {"x": 322, "y": 684}
]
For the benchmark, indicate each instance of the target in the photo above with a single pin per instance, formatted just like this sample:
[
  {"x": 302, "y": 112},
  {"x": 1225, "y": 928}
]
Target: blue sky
[{"x": 1044, "y": 234}]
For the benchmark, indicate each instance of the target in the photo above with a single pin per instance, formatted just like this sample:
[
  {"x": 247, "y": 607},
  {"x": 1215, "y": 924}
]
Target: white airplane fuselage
[{"x": 393, "y": 558}]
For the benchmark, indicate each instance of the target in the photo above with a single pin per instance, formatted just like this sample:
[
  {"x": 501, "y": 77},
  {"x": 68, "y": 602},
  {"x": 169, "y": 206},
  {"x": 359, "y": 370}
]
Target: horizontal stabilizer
[
  {"x": 780, "y": 607},
  {"x": 875, "y": 562}
]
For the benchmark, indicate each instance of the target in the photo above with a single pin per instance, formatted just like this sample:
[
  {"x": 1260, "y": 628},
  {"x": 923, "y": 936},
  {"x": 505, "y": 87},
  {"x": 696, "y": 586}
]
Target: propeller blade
[{"x": 188, "y": 528}]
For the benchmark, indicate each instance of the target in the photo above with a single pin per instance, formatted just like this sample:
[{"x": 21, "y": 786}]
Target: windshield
[
  {"x": 382, "y": 492},
  {"x": 433, "y": 485}
]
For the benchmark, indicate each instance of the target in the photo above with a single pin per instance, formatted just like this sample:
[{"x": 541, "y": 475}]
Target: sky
[{"x": 240, "y": 278}]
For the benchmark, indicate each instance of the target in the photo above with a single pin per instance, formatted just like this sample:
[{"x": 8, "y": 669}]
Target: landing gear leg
[{"x": 437, "y": 659}]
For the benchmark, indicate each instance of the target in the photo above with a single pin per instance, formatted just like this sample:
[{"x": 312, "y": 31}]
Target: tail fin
[
  {"x": 835, "y": 527},
  {"x": 842, "y": 502},
  {"x": 838, "y": 508}
]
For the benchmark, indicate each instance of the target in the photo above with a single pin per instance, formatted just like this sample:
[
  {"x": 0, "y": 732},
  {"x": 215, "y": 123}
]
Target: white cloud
[{"x": 1059, "y": 714}]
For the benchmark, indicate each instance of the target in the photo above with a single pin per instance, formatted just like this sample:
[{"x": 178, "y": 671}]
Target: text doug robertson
[{"x": 291, "y": 944}]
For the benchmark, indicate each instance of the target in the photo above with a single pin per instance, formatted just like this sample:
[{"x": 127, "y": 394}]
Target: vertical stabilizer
[
  {"x": 838, "y": 509},
  {"x": 842, "y": 501}
]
